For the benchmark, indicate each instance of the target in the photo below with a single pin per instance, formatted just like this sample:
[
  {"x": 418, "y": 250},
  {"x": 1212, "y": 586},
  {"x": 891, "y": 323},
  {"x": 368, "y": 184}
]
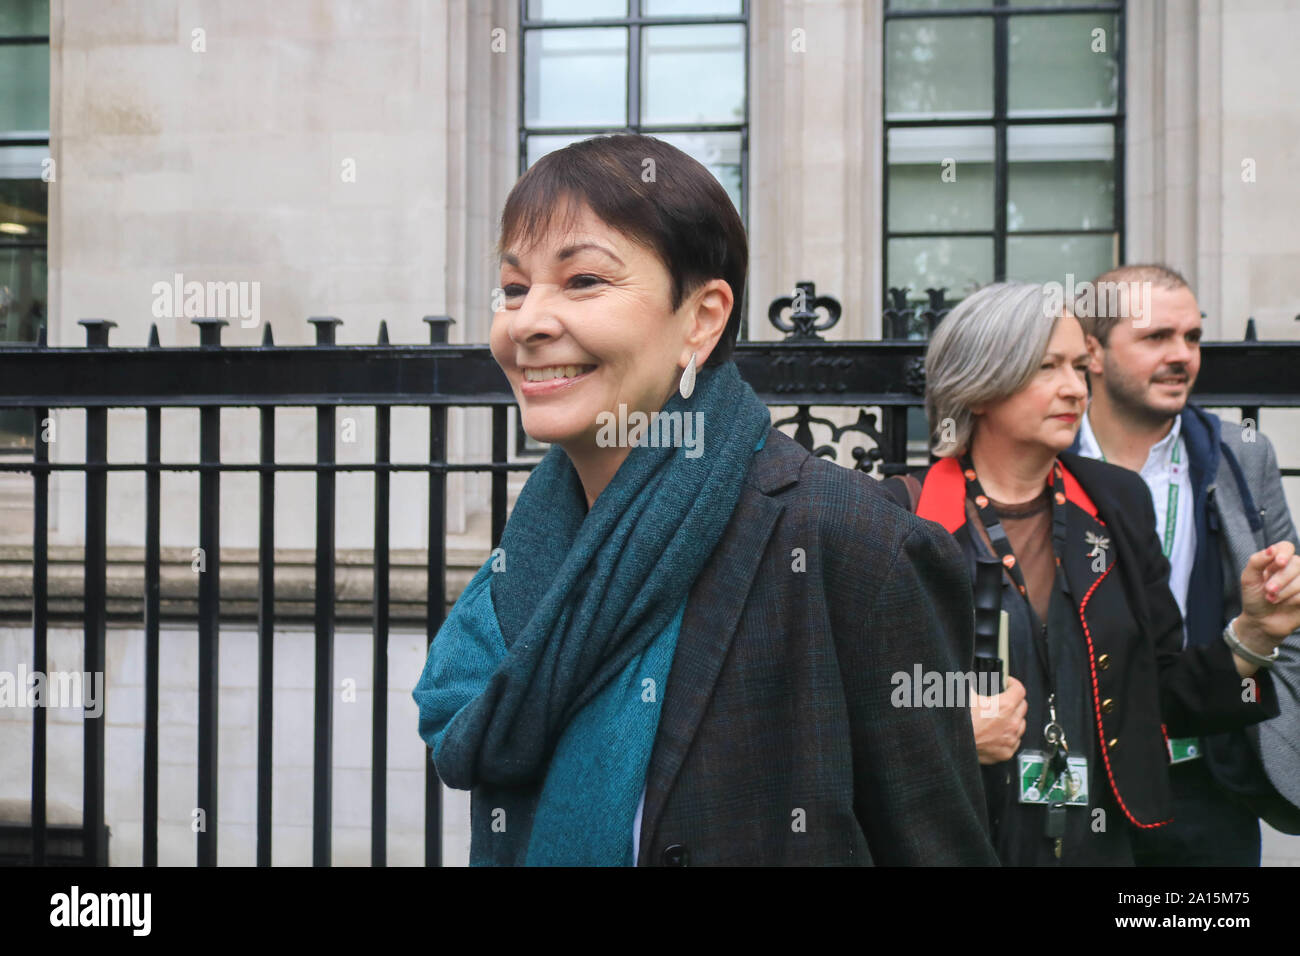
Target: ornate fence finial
[
  {"x": 804, "y": 324},
  {"x": 904, "y": 319},
  {"x": 935, "y": 313}
]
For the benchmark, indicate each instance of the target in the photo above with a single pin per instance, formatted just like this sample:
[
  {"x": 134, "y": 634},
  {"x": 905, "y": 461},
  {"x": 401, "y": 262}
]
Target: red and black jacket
[{"x": 1144, "y": 685}]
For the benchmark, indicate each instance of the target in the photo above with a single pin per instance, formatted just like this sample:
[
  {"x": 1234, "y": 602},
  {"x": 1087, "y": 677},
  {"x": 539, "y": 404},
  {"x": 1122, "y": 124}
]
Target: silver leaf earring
[{"x": 687, "y": 385}]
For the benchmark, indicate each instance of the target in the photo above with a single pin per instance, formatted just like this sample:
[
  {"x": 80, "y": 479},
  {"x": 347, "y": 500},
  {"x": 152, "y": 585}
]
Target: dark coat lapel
[{"x": 712, "y": 616}]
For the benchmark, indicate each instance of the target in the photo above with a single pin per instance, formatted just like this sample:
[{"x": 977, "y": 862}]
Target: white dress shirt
[{"x": 1169, "y": 478}]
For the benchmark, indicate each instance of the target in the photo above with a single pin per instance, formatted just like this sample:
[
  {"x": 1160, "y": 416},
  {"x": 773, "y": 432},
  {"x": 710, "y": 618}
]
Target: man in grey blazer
[{"x": 1218, "y": 499}]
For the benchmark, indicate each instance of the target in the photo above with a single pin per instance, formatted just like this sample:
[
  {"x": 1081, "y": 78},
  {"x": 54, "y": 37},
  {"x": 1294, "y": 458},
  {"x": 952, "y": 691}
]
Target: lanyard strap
[
  {"x": 998, "y": 537},
  {"x": 1171, "y": 507}
]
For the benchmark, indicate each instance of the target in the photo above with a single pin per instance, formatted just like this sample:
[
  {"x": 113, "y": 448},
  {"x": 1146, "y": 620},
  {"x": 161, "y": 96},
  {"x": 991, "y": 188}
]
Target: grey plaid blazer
[
  {"x": 778, "y": 742},
  {"x": 1277, "y": 740}
]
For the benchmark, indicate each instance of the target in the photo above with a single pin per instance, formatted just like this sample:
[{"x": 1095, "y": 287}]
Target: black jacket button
[{"x": 676, "y": 855}]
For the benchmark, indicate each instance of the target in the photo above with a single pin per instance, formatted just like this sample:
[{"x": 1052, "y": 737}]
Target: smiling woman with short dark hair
[{"x": 685, "y": 654}]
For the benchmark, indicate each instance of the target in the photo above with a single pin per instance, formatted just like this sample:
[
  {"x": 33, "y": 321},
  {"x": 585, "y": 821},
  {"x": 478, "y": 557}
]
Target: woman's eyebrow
[
  {"x": 567, "y": 252},
  {"x": 570, "y": 251}
]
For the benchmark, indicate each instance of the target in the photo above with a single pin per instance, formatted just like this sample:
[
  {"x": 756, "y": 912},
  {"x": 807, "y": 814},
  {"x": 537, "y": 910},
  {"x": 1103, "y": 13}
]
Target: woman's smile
[{"x": 540, "y": 381}]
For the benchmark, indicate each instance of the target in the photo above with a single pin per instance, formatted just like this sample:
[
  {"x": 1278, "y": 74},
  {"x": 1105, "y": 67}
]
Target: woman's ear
[{"x": 709, "y": 309}]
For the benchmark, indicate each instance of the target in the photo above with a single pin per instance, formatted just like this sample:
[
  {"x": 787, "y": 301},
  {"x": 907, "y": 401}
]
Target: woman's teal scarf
[{"x": 541, "y": 691}]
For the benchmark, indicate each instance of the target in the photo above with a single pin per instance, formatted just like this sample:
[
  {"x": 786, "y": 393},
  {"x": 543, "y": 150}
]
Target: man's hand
[
  {"x": 999, "y": 722},
  {"x": 1270, "y": 598}
]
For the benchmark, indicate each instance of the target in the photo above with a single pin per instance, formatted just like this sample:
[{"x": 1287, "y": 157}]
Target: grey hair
[{"x": 986, "y": 349}]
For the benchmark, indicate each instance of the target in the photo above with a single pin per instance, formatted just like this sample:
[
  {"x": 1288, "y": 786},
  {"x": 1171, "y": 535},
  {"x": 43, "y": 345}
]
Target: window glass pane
[
  {"x": 25, "y": 18},
  {"x": 539, "y": 146},
  {"x": 15, "y": 428},
  {"x": 693, "y": 8},
  {"x": 1052, "y": 258},
  {"x": 939, "y": 68},
  {"x": 937, "y": 4},
  {"x": 693, "y": 75},
  {"x": 576, "y": 9},
  {"x": 25, "y": 88},
  {"x": 941, "y": 179},
  {"x": 719, "y": 152},
  {"x": 918, "y": 428},
  {"x": 1060, "y": 177},
  {"x": 958, "y": 265},
  {"x": 576, "y": 77},
  {"x": 1062, "y": 63},
  {"x": 22, "y": 293},
  {"x": 24, "y": 196}
]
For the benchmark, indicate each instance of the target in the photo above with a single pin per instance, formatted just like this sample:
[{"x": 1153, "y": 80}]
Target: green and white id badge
[
  {"x": 1183, "y": 749},
  {"x": 1070, "y": 788}
]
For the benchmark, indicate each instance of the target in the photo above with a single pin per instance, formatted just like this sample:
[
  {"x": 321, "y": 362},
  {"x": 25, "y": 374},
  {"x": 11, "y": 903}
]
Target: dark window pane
[
  {"x": 23, "y": 293},
  {"x": 15, "y": 428},
  {"x": 958, "y": 265},
  {"x": 24, "y": 18},
  {"x": 939, "y": 68},
  {"x": 576, "y": 77},
  {"x": 1052, "y": 258},
  {"x": 693, "y": 75},
  {"x": 25, "y": 88},
  {"x": 941, "y": 179},
  {"x": 24, "y": 196},
  {"x": 918, "y": 429},
  {"x": 1062, "y": 63}
]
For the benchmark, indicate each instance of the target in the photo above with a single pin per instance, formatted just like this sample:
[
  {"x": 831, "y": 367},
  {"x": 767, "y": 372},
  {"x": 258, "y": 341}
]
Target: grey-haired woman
[{"x": 1074, "y": 748}]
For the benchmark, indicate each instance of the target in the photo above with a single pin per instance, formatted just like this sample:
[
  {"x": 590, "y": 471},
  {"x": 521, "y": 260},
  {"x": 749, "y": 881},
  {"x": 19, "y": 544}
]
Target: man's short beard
[{"x": 1129, "y": 398}]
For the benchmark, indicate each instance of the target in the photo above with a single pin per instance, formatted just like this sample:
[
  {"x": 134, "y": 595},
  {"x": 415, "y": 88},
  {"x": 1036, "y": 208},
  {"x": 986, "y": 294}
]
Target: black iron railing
[{"x": 803, "y": 371}]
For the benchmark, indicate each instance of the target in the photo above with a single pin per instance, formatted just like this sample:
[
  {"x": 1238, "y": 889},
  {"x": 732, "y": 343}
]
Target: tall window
[
  {"x": 676, "y": 69},
  {"x": 24, "y": 146},
  {"x": 1004, "y": 123}
]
